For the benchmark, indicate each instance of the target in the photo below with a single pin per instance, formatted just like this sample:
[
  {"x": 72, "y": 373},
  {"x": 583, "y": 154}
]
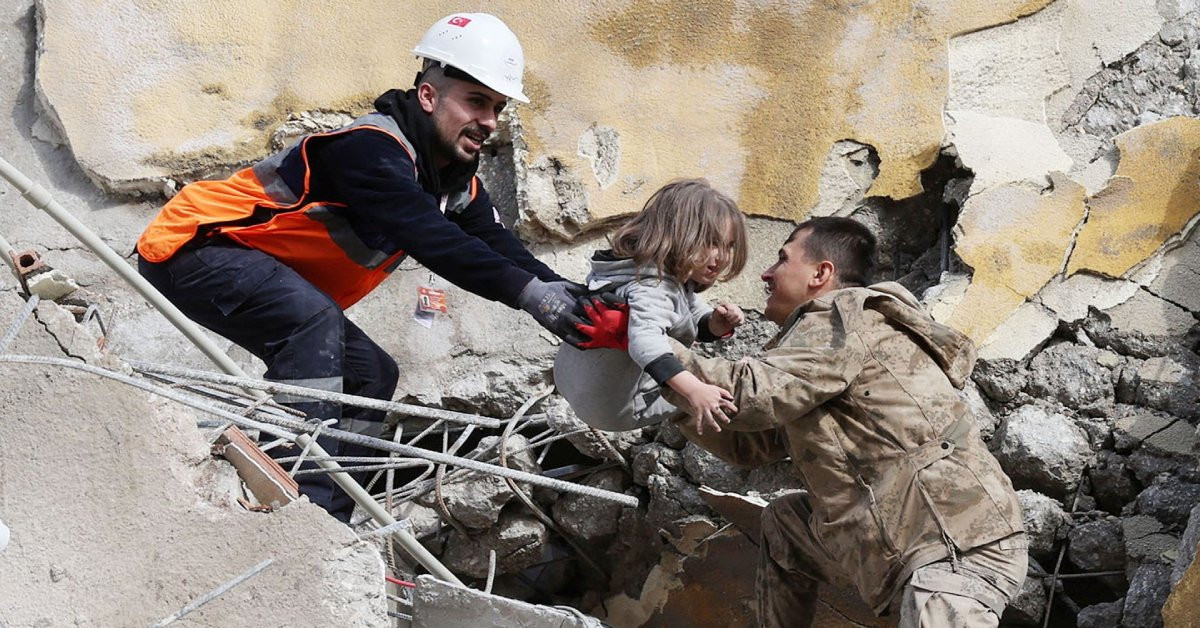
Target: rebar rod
[
  {"x": 19, "y": 321},
  {"x": 212, "y": 595},
  {"x": 364, "y": 469},
  {"x": 272, "y": 426},
  {"x": 312, "y": 393}
]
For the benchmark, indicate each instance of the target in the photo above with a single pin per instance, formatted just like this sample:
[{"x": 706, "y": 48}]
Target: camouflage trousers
[{"x": 971, "y": 590}]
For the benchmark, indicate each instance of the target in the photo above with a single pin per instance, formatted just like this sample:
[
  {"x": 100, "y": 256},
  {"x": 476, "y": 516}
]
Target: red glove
[{"x": 610, "y": 323}]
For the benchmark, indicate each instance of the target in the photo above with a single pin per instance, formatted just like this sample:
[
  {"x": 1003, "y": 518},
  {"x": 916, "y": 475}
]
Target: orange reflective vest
[{"x": 256, "y": 208}]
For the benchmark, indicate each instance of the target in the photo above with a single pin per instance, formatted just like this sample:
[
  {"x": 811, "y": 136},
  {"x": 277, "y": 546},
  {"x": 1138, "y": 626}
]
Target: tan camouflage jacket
[{"x": 862, "y": 385}]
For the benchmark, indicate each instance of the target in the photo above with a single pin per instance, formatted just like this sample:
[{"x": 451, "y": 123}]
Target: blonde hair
[{"x": 676, "y": 228}]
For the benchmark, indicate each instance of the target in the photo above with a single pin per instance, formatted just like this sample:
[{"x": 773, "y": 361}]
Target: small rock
[
  {"x": 670, "y": 435},
  {"x": 589, "y": 443},
  {"x": 1134, "y": 425},
  {"x": 1097, "y": 546},
  {"x": 984, "y": 418},
  {"x": 1169, "y": 501},
  {"x": 1172, "y": 450},
  {"x": 475, "y": 500},
  {"x": 517, "y": 538},
  {"x": 1148, "y": 592},
  {"x": 706, "y": 469},
  {"x": 1145, "y": 542},
  {"x": 1169, "y": 385},
  {"x": 57, "y": 573},
  {"x": 655, "y": 459},
  {"x": 1172, "y": 34},
  {"x": 1103, "y": 615},
  {"x": 999, "y": 379},
  {"x": 1187, "y": 546},
  {"x": 592, "y": 519},
  {"x": 673, "y": 498},
  {"x": 1044, "y": 519},
  {"x": 1113, "y": 485},
  {"x": 1029, "y": 604},
  {"x": 1043, "y": 451},
  {"x": 1070, "y": 374}
]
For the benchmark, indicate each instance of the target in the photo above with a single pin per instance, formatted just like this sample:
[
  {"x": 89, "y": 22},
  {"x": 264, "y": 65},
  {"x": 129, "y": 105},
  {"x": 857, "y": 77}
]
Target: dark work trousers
[{"x": 300, "y": 333}]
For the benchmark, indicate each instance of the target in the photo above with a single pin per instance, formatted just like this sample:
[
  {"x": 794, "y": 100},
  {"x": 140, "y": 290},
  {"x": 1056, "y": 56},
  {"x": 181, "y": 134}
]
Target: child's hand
[
  {"x": 724, "y": 319},
  {"x": 708, "y": 403}
]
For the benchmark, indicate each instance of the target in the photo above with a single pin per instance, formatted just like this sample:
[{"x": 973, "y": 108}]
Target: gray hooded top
[{"x": 612, "y": 389}]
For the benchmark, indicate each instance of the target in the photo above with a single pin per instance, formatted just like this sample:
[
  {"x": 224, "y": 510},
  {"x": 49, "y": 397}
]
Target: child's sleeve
[
  {"x": 652, "y": 312},
  {"x": 701, "y": 312}
]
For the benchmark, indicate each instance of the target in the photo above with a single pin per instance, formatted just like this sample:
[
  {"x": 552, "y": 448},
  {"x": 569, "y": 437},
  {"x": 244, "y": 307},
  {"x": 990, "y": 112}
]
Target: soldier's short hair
[{"x": 843, "y": 241}]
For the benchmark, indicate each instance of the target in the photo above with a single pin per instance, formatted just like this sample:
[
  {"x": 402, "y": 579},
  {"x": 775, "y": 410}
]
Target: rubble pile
[{"x": 1098, "y": 430}]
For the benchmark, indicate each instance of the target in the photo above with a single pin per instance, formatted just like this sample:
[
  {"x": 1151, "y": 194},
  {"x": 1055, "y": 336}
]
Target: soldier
[{"x": 859, "y": 388}]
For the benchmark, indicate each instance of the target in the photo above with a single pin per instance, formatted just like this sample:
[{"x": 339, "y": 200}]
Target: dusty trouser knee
[
  {"x": 971, "y": 591},
  {"x": 789, "y": 566}
]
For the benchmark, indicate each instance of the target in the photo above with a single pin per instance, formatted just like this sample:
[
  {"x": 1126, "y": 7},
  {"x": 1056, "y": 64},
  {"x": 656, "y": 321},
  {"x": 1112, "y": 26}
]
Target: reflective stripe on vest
[{"x": 255, "y": 207}]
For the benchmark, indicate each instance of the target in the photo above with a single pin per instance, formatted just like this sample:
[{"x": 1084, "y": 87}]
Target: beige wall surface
[{"x": 750, "y": 94}]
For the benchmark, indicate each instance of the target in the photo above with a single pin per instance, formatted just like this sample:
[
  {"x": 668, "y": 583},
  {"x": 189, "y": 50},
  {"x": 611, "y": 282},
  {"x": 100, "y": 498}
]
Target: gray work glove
[{"x": 556, "y": 307}]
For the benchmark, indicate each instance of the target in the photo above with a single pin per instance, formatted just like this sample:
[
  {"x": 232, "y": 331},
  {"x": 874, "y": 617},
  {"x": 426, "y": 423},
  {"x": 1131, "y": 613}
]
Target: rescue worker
[
  {"x": 904, "y": 503},
  {"x": 271, "y": 257}
]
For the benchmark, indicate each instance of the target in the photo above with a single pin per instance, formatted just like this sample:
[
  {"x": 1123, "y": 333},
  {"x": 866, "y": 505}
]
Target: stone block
[
  {"x": 1041, "y": 450},
  {"x": 1071, "y": 374},
  {"x": 1000, "y": 379},
  {"x": 592, "y": 519},
  {"x": 1113, "y": 484},
  {"x": 1148, "y": 592},
  {"x": 1103, "y": 615},
  {"x": 1169, "y": 501},
  {"x": 1145, "y": 542},
  {"x": 1044, "y": 521},
  {"x": 517, "y": 538},
  {"x": 706, "y": 469},
  {"x": 1097, "y": 546}
]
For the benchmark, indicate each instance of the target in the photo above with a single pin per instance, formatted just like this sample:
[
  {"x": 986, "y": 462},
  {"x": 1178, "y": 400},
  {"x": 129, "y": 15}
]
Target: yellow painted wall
[{"x": 750, "y": 94}]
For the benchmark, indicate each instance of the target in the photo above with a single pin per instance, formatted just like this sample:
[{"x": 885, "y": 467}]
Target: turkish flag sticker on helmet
[{"x": 459, "y": 20}]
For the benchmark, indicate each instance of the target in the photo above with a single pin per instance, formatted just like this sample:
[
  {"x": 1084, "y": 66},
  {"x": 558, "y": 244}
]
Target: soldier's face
[
  {"x": 464, "y": 115},
  {"x": 792, "y": 281}
]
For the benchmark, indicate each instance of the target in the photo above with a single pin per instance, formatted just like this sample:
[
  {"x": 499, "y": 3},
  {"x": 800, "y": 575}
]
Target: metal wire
[
  {"x": 319, "y": 395},
  {"x": 272, "y": 425},
  {"x": 22, "y": 316}
]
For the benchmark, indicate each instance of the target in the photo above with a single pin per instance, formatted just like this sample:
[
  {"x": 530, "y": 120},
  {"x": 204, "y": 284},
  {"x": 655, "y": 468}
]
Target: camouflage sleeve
[
  {"x": 784, "y": 384},
  {"x": 741, "y": 449}
]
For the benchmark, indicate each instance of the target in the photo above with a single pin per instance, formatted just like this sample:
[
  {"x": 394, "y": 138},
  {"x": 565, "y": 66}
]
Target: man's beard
[{"x": 450, "y": 149}]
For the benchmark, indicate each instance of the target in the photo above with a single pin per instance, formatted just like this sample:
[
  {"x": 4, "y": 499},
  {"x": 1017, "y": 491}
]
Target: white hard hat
[{"x": 480, "y": 45}]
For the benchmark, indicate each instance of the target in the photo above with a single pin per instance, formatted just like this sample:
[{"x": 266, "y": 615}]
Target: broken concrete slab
[
  {"x": 517, "y": 538},
  {"x": 1002, "y": 150},
  {"x": 152, "y": 504},
  {"x": 1145, "y": 541},
  {"x": 1149, "y": 200},
  {"x": 437, "y": 604},
  {"x": 1015, "y": 237},
  {"x": 1143, "y": 326}
]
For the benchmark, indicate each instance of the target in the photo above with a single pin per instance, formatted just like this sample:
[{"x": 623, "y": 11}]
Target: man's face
[
  {"x": 464, "y": 115},
  {"x": 792, "y": 281}
]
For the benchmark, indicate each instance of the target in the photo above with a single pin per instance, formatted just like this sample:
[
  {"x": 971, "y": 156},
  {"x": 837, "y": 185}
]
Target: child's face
[{"x": 716, "y": 260}]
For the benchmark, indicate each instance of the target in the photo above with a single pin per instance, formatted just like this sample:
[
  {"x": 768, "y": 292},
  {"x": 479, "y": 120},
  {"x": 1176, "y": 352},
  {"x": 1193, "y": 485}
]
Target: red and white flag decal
[{"x": 459, "y": 20}]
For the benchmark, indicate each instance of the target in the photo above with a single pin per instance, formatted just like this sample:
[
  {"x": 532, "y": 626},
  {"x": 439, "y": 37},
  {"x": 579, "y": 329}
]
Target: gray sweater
[{"x": 616, "y": 390}]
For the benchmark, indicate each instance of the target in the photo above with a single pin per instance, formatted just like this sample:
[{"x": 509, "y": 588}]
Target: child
[{"x": 687, "y": 237}]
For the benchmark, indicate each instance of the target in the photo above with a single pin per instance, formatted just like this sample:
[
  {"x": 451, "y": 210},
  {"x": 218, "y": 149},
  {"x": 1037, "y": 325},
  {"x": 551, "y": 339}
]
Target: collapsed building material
[
  {"x": 262, "y": 475},
  {"x": 212, "y": 595},
  {"x": 438, "y": 604}
]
